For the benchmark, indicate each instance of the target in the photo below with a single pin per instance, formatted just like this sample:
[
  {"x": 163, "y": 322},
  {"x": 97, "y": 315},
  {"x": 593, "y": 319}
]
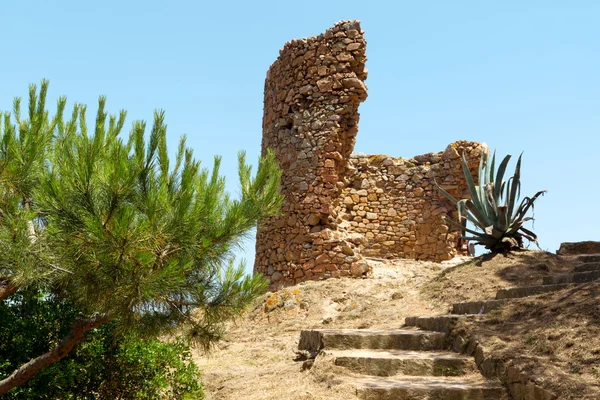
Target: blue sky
[{"x": 518, "y": 75}]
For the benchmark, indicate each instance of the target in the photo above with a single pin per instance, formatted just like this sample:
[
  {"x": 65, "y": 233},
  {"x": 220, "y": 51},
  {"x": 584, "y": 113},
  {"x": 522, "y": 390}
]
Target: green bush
[
  {"x": 107, "y": 365},
  {"x": 151, "y": 370}
]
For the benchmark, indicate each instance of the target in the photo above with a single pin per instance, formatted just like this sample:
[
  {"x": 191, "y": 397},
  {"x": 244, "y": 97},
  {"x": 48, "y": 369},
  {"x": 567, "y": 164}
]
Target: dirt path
[{"x": 256, "y": 361}]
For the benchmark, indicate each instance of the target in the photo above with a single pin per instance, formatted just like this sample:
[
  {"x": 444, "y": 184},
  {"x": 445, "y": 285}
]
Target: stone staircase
[
  {"x": 414, "y": 363},
  {"x": 588, "y": 270},
  {"x": 402, "y": 364}
]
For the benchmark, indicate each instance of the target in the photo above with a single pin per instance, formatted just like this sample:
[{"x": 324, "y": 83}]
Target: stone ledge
[
  {"x": 520, "y": 385},
  {"x": 576, "y": 248}
]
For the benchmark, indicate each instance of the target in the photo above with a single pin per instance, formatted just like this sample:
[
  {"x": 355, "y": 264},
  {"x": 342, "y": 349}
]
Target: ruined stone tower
[{"x": 340, "y": 207}]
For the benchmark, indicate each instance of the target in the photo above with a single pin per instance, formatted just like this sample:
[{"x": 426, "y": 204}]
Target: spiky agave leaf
[
  {"x": 474, "y": 192},
  {"x": 492, "y": 208},
  {"x": 499, "y": 183}
]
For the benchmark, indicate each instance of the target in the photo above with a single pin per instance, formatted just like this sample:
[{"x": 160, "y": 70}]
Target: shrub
[{"x": 107, "y": 365}]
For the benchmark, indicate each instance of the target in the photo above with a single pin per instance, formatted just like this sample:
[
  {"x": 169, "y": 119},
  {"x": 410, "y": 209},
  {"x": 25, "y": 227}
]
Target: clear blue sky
[{"x": 520, "y": 75}]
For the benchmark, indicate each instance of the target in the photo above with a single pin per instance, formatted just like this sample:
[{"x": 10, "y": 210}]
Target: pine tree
[{"x": 112, "y": 225}]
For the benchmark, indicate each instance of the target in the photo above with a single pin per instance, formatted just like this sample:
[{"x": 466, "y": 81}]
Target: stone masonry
[{"x": 340, "y": 207}]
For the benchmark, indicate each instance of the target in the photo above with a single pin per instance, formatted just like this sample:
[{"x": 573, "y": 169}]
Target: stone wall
[
  {"x": 394, "y": 204},
  {"x": 340, "y": 207}
]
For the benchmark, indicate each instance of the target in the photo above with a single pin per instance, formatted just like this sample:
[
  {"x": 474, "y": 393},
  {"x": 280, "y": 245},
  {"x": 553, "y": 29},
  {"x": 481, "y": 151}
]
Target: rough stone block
[{"x": 575, "y": 248}]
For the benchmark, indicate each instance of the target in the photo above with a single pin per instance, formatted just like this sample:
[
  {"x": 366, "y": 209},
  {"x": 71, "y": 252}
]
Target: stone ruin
[{"x": 340, "y": 206}]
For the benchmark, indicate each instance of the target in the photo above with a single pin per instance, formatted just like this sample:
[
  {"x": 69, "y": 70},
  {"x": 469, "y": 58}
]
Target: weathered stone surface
[
  {"x": 417, "y": 388},
  {"x": 520, "y": 385},
  {"x": 312, "y": 94},
  {"x": 315, "y": 340},
  {"x": 589, "y": 266},
  {"x": 578, "y": 277},
  {"x": 312, "y": 132},
  {"x": 477, "y": 307},
  {"x": 525, "y": 291},
  {"x": 588, "y": 258},
  {"x": 573, "y": 248},
  {"x": 405, "y": 362},
  {"x": 405, "y": 216},
  {"x": 436, "y": 323}
]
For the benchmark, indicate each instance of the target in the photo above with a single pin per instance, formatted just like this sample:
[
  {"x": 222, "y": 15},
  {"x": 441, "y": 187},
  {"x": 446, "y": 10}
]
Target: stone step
[
  {"x": 588, "y": 258},
  {"x": 315, "y": 340},
  {"x": 578, "y": 248},
  {"x": 524, "y": 291},
  {"x": 430, "y": 388},
  {"x": 578, "y": 277},
  {"x": 437, "y": 323},
  {"x": 395, "y": 362},
  {"x": 477, "y": 307},
  {"x": 588, "y": 266}
]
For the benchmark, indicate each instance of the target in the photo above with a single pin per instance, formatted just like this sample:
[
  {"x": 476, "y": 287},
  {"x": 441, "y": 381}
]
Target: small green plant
[
  {"x": 494, "y": 207},
  {"x": 495, "y": 312},
  {"x": 441, "y": 370},
  {"x": 529, "y": 339}
]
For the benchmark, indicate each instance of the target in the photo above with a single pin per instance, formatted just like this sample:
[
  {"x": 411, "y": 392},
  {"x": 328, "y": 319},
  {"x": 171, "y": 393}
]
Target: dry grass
[
  {"x": 479, "y": 278},
  {"x": 554, "y": 337}
]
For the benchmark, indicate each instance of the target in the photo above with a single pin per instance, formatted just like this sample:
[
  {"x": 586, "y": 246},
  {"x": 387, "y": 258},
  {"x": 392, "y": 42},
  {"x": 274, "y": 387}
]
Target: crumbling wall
[
  {"x": 339, "y": 208},
  {"x": 394, "y": 204}
]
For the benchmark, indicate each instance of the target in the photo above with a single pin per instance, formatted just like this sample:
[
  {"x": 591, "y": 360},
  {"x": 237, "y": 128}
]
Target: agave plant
[{"x": 494, "y": 207}]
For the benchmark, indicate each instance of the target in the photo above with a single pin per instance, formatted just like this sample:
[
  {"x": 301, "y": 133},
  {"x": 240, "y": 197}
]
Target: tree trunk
[
  {"x": 6, "y": 289},
  {"x": 27, "y": 371}
]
